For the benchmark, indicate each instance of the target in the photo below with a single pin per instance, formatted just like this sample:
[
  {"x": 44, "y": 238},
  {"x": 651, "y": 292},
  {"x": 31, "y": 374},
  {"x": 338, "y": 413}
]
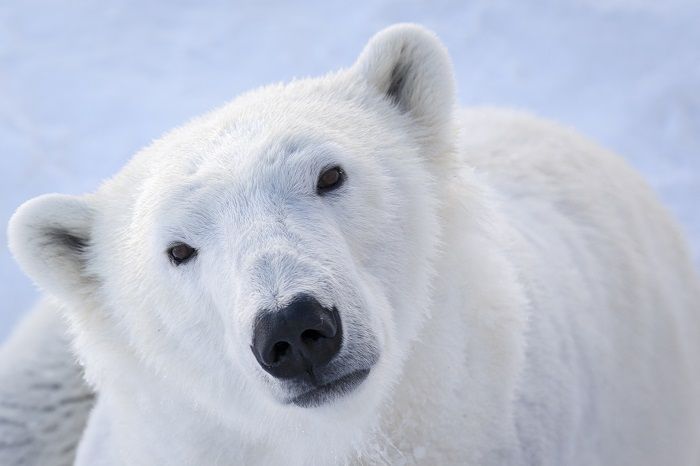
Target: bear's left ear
[
  {"x": 50, "y": 237},
  {"x": 410, "y": 67}
]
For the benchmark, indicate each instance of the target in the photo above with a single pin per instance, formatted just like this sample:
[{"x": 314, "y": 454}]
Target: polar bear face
[{"x": 271, "y": 260}]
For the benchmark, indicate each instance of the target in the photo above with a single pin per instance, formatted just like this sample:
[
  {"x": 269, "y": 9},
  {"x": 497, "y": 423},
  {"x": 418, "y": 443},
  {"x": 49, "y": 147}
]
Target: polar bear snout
[{"x": 298, "y": 339}]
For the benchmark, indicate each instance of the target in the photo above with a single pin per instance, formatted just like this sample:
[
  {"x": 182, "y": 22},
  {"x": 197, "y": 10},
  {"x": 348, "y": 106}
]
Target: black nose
[{"x": 298, "y": 338}]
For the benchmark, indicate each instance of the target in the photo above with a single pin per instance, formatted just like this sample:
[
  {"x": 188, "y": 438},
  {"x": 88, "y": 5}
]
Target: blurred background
[{"x": 83, "y": 85}]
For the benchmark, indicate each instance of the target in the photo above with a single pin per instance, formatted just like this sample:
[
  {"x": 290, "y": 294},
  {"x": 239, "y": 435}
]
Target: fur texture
[
  {"x": 44, "y": 401},
  {"x": 529, "y": 299}
]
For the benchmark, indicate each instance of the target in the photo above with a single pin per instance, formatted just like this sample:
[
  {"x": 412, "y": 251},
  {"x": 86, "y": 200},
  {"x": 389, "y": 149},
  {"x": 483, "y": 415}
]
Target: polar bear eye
[
  {"x": 330, "y": 179},
  {"x": 180, "y": 253}
]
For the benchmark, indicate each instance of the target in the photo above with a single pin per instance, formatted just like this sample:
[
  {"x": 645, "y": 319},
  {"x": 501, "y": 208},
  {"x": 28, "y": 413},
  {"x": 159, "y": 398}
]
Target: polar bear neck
[{"x": 481, "y": 334}]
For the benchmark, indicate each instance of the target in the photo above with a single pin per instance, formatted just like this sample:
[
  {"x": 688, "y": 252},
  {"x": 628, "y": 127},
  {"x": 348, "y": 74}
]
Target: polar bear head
[{"x": 271, "y": 260}]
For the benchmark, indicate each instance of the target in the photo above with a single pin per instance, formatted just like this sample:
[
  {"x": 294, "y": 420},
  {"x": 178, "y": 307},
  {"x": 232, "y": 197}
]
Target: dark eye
[
  {"x": 330, "y": 179},
  {"x": 180, "y": 253}
]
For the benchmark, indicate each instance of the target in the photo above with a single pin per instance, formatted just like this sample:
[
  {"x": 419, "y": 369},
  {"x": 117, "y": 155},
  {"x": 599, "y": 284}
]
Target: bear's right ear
[{"x": 49, "y": 237}]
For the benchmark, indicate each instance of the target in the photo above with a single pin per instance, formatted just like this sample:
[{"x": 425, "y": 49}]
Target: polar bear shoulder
[{"x": 44, "y": 402}]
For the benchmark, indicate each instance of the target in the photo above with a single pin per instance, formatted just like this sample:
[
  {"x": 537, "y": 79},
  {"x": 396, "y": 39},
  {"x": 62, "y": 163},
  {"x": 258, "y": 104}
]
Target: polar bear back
[{"x": 613, "y": 355}]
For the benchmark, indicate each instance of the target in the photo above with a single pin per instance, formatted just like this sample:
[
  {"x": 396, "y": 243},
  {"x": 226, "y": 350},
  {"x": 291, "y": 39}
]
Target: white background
[{"x": 83, "y": 85}]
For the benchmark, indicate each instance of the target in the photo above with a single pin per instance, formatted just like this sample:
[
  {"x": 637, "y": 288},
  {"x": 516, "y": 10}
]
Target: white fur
[
  {"x": 530, "y": 300},
  {"x": 44, "y": 402}
]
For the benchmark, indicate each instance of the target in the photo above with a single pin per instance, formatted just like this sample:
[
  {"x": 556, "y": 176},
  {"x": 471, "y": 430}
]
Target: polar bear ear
[
  {"x": 408, "y": 65},
  {"x": 49, "y": 237}
]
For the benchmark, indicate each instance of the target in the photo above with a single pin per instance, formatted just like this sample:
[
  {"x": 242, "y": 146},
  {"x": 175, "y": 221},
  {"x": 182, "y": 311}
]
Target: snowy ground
[{"x": 85, "y": 84}]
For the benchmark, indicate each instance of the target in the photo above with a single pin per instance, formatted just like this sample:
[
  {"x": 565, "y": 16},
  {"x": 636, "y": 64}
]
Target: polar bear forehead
[
  {"x": 264, "y": 142},
  {"x": 283, "y": 120},
  {"x": 267, "y": 127}
]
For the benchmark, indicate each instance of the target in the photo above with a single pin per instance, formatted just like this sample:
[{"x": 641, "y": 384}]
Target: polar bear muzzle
[{"x": 298, "y": 343}]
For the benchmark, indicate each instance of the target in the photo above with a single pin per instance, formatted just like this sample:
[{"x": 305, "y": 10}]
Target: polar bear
[{"x": 350, "y": 270}]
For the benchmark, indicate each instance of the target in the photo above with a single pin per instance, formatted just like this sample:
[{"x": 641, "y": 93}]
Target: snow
[{"x": 84, "y": 84}]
